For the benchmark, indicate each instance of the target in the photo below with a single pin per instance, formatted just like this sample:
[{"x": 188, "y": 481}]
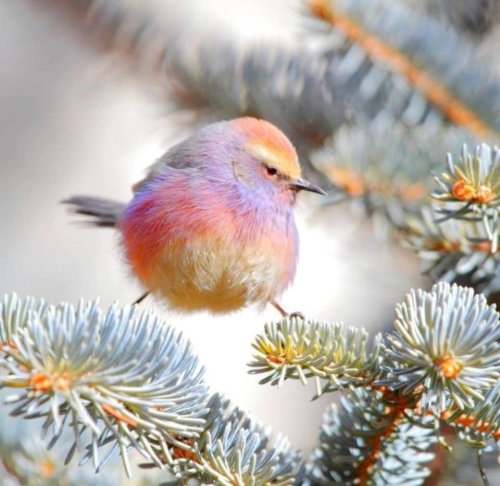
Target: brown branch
[
  {"x": 396, "y": 406},
  {"x": 118, "y": 415},
  {"x": 437, "y": 95},
  {"x": 469, "y": 422}
]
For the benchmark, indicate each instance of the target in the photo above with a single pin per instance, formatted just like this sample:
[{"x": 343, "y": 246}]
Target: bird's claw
[{"x": 285, "y": 314}]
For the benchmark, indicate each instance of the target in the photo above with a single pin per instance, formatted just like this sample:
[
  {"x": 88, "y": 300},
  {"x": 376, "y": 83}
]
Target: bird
[{"x": 211, "y": 227}]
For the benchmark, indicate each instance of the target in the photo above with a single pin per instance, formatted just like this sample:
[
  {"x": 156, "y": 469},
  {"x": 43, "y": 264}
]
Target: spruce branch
[
  {"x": 477, "y": 18},
  {"x": 118, "y": 380},
  {"x": 25, "y": 461},
  {"x": 307, "y": 92},
  {"x": 471, "y": 188},
  {"x": 445, "y": 347},
  {"x": 383, "y": 166},
  {"x": 219, "y": 79},
  {"x": 336, "y": 356},
  {"x": 454, "y": 251},
  {"x": 458, "y": 238},
  {"x": 371, "y": 26},
  {"x": 479, "y": 425},
  {"x": 440, "y": 365},
  {"x": 235, "y": 450},
  {"x": 296, "y": 90},
  {"x": 372, "y": 437}
]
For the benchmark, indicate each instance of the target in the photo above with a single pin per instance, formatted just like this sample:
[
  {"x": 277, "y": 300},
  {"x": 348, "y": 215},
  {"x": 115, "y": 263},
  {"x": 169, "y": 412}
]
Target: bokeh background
[{"x": 74, "y": 120}]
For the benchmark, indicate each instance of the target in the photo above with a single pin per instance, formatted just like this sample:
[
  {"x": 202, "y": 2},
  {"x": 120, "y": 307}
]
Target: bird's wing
[{"x": 177, "y": 157}]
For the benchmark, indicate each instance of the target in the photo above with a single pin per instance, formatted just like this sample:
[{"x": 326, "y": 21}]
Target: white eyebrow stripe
[{"x": 266, "y": 155}]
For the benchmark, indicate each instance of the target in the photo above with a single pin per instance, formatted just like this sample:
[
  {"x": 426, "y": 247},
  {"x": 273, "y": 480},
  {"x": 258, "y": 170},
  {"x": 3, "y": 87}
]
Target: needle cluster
[
  {"x": 367, "y": 439},
  {"x": 117, "y": 380},
  {"x": 438, "y": 367},
  {"x": 334, "y": 355},
  {"x": 457, "y": 238}
]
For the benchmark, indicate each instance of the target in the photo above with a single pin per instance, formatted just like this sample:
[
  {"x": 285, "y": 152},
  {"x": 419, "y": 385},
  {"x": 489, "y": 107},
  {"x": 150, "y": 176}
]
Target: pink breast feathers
[{"x": 211, "y": 259}]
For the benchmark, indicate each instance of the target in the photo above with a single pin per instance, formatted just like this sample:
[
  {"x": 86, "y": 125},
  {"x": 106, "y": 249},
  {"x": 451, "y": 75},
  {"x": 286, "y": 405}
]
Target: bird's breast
[{"x": 209, "y": 254}]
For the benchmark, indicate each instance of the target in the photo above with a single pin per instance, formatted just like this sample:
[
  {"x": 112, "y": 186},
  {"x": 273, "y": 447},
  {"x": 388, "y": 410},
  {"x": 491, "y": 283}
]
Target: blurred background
[{"x": 83, "y": 112}]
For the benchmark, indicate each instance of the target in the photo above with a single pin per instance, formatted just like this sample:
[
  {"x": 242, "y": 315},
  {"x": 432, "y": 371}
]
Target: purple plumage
[{"x": 211, "y": 227}]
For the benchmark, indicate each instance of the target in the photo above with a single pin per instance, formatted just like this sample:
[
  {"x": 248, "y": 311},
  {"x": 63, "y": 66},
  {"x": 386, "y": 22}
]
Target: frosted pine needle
[
  {"x": 118, "y": 379},
  {"x": 235, "y": 450},
  {"x": 336, "y": 356},
  {"x": 445, "y": 346},
  {"x": 481, "y": 424},
  {"x": 454, "y": 250},
  {"x": 383, "y": 166},
  {"x": 365, "y": 440},
  {"x": 475, "y": 179}
]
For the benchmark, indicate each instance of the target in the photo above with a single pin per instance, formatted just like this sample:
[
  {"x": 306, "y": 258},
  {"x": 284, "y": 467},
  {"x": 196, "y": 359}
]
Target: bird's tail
[{"x": 102, "y": 212}]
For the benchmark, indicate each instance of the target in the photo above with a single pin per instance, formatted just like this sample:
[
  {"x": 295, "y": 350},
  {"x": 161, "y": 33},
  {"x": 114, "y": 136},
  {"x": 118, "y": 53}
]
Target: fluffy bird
[{"x": 212, "y": 226}]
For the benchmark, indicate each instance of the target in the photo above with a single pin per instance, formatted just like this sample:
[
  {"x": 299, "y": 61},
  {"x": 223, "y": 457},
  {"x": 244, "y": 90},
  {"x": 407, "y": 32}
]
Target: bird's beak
[{"x": 303, "y": 185}]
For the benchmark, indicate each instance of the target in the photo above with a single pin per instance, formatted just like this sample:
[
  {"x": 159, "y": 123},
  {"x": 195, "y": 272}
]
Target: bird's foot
[
  {"x": 141, "y": 298},
  {"x": 284, "y": 313}
]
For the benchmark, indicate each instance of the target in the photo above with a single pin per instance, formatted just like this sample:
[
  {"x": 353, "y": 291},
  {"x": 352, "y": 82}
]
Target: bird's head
[{"x": 267, "y": 162}]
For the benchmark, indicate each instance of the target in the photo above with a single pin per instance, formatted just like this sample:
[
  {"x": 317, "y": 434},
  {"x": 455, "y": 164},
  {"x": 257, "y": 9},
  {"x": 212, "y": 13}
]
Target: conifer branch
[
  {"x": 306, "y": 92},
  {"x": 477, "y": 18},
  {"x": 334, "y": 355},
  {"x": 481, "y": 424},
  {"x": 235, "y": 450},
  {"x": 369, "y": 26},
  {"x": 458, "y": 240},
  {"x": 454, "y": 251},
  {"x": 372, "y": 437},
  {"x": 440, "y": 364},
  {"x": 383, "y": 166},
  {"x": 118, "y": 381},
  {"x": 124, "y": 381},
  {"x": 25, "y": 460},
  {"x": 472, "y": 188},
  {"x": 444, "y": 350},
  {"x": 445, "y": 347}
]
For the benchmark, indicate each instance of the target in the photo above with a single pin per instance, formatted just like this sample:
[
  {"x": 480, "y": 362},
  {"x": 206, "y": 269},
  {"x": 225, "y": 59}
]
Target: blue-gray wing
[{"x": 177, "y": 157}]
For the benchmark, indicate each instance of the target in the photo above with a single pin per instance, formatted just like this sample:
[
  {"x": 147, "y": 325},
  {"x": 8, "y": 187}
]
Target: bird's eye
[{"x": 271, "y": 171}]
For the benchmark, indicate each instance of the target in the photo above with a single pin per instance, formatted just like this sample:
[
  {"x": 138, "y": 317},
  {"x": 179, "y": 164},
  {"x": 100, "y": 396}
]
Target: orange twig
[
  {"x": 396, "y": 406},
  {"x": 9, "y": 345},
  {"x": 117, "y": 415},
  {"x": 437, "y": 95},
  {"x": 469, "y": 422},
  {"x": 179, "y": 453}
]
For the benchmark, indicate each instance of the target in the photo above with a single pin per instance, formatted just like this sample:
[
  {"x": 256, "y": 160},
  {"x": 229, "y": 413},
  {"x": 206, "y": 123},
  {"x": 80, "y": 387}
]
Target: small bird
[{"x": 212, "y": 226}]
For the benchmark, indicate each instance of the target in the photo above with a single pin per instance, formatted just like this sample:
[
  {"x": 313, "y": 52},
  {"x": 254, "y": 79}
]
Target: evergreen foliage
[{"x": 374, "y": 109}]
